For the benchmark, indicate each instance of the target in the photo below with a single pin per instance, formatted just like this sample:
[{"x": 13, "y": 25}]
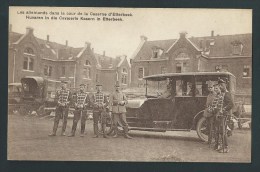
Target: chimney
[
  {"x": 212, "y": 33},
  {"x": 10, "y": 27},
  {"x": 92, "y": 50},
  {"x": 87, "y": 44},
  {"x": 183, "y": 34},
  {"x": 48, "y": 38},
  {"x": 66, "y": 43},
  {"x": 29, "y": 30},
  {"x": 143, "y": 38},
  {"x": 104, "y": 53}
]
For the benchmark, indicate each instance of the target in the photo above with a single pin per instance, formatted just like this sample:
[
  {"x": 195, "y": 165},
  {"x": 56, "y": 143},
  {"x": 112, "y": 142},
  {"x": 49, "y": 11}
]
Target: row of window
[{"x": 182, "y": 68}]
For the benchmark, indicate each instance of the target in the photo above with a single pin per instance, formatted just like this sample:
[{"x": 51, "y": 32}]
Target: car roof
[
  {"x": 161, "y": 77},
  {"x": 15, "y": 84}
]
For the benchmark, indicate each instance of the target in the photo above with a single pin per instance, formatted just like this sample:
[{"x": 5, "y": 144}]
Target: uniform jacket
[
  {"x": 82, "y": 100},
  {"x": 227, "y": 103},
  {"x": 100, "y": 101},
  {"x": 115, "y": 99},
  {"x": 63, "y": 97}
]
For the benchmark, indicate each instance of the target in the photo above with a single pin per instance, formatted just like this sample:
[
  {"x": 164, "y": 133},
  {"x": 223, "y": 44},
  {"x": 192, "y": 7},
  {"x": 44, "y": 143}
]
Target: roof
[
  {"x": 146, "y": 50},
  {"x": 37, "y": 79},
  {"x": 219, "y": 46},
  {"x": 161, "y": 77},
  {"x": 110, "y": 63},
  {"x": 50, "y": 50}
]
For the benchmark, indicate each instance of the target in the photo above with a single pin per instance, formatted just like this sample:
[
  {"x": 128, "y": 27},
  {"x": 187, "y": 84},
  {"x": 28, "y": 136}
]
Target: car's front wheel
[{"x": 202, "y": 129}]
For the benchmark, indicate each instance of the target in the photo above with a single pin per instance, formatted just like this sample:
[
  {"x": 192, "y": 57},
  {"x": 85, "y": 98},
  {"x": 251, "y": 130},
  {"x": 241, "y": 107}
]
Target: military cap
[
  {"x": 82, "y": 85},
  {"x": 65, "y": 82},
  {"x": 98, "y": 84}
]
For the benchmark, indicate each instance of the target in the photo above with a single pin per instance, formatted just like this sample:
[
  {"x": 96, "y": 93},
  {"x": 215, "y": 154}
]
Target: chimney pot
[
  {"x": 87, "y": 44},
  {"x": 212, "y": 33},
  {"x": 104, "y": 53},
  {"x": 66, "y": 43},
  {"x": 29, "y": 30},
  {"x": 183, "y": 34},
  {"x": 48, "y": 38},
  {"x": 143, "y": 38},
  {"x": 92, "y": 50}
]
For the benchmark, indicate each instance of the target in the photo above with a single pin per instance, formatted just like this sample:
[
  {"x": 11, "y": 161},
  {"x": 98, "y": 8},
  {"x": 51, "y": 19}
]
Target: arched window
[
  {"x": 124, "y": 70},
  {"x": 28, "y": 50},
  {"x": 87, "y": 62}
]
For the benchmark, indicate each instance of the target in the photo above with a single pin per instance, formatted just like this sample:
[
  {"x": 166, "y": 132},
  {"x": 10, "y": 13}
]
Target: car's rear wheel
[{"x": 202, "y": 129}]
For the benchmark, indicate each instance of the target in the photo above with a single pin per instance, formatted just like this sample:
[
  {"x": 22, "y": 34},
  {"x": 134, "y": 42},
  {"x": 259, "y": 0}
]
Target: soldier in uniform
[
  {"x": 100, "y": 104},
  {"x": 208, "y": 114},
  {"x": 118, "y": 101},
  {"x": 81, "y": 102},
  {"x": 63, "y": 98},
  {"x": 225, "y": 113}
]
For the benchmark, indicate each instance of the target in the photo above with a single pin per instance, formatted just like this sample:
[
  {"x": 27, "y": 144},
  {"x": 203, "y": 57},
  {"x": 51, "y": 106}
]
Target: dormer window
[
  {"x": 237, "y": 47},
  {"x": 157, "y": 52}
]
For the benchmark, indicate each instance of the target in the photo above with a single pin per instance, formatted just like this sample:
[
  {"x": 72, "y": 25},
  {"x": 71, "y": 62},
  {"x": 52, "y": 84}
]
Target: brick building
[
  {"x": 231, "y": 53},
  {"x": 31, "y": 56}
]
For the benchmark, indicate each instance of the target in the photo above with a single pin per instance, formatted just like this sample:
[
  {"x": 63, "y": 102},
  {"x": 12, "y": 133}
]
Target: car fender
[{"x": 196, "y": 118}]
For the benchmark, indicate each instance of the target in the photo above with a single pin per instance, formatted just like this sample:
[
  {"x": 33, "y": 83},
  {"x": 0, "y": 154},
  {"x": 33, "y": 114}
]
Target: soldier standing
[
  {"x": 118, "y": 101},
  {"x": 81, "y": 102},
  {"x": 100, "y": 104},
  {"x": 208, "y": 113},
  {"x": 62, "y": 97},
  {"x": 226, "y": 113}
]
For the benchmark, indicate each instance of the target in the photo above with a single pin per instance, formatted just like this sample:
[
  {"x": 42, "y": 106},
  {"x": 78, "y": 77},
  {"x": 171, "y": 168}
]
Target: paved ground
[{"x": 28, "y": 140}]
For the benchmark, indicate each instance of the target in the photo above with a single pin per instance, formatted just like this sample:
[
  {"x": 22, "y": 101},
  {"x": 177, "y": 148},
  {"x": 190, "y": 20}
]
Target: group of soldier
[
  {"x": 218, "y": 112},
  {"x": 102, "y": 108}
]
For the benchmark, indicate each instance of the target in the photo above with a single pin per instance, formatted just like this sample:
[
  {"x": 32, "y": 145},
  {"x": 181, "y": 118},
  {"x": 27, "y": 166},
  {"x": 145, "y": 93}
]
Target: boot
[
  {"x": 128, "y": 137},
  {"x": 126, "y": 133},
  {"x": 116, "y": 132},
  {"x": 95, "y": 131},
  {"x": 52, "y": 134},
  {"x": 55, "y": 127},
  {"x": 104, "y": 130},
  {"x": 72, "y": 134},
  {"x": 63, "y": 133}
]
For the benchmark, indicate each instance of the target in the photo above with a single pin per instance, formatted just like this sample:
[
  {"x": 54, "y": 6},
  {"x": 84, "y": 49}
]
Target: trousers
[
  {"x": 120, "y": 117},
  {"x": 79, "y": 114},
  {"x": 60, "y": 113}
]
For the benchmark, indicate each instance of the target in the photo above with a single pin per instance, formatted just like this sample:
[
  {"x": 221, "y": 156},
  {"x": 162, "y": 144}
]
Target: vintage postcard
[{"x": 129, "y": 84}]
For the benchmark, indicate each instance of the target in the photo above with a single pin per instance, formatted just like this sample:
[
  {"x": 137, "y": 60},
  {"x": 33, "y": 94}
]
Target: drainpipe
[
  {"x": 75, "y": 67},
  {"x": 14, "y": 64}
]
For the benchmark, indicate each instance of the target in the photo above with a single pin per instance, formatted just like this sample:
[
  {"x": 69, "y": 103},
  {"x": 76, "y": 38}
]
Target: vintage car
[
  {"x": 179, "y": 107},
  {"x": 14, "y": 97},
  {"x": 37, "y": 94}
]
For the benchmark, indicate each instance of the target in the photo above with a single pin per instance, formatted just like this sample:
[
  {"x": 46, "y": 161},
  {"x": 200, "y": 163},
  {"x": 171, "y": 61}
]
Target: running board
[{"x": 156, "y": 129}]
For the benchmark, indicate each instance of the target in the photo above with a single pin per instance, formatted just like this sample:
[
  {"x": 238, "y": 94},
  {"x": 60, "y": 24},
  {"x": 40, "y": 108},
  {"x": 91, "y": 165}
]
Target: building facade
[
  {"x": 232, "y": 53},
  {"x": 31, "y": 56}
]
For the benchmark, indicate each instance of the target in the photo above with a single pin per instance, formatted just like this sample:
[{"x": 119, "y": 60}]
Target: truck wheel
[{"x": 202, "y": 129}]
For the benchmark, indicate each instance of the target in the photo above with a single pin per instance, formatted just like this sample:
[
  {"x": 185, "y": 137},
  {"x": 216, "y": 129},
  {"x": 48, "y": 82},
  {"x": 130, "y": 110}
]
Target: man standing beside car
[
  {"x": 118, "y": 101},
  {"x": 63, "y": 98},
  {"x": 81, "y": 102},
  {"x": 226, "y": 112}
]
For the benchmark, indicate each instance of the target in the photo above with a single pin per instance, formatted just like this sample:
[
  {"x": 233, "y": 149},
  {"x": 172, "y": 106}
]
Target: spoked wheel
[
  {"x": 108, "y": 126},
  {"x": 202, "y": 129}
]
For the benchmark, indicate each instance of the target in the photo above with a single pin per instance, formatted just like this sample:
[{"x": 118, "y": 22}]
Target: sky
[{"x": 123, "y": 37}]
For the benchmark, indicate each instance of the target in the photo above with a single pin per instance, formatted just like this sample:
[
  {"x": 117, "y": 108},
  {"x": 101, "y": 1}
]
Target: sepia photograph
[{"x": 129, "y": 84}]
